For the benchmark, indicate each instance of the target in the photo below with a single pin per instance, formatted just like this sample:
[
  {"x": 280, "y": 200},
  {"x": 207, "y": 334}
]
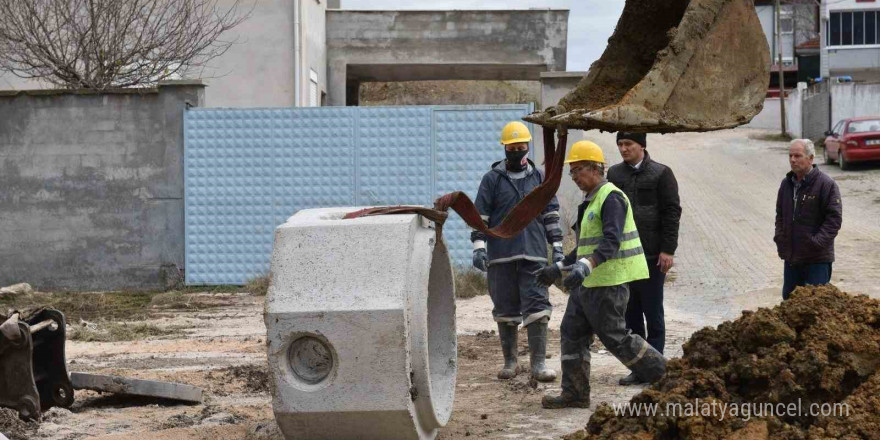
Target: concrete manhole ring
[{"x": 369, "y": 351}]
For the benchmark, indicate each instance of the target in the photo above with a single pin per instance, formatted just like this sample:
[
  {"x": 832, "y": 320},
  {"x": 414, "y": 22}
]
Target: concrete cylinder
[{"x": 360, "y": 316}]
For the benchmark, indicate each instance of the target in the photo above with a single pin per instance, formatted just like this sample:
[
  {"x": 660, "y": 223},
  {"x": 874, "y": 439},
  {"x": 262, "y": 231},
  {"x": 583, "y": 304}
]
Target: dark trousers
[
  {"x": 646, "y": 304},
  {"x": 515, "y": 292},
  {"x": 802, "y": 274},
  {"x": 600, "y": 311}
]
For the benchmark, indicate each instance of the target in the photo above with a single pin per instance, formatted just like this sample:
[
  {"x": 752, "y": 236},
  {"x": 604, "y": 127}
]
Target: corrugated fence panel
[
  {"x": 248, "y": 170},
  {"x": 394, "y": 155}
]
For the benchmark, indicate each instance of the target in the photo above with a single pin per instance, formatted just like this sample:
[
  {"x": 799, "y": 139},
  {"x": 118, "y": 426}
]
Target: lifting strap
[{"x": 516, "y": 220}]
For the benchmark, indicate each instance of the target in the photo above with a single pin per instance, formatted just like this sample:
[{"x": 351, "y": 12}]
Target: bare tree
[{"x": 100, "y": 44}]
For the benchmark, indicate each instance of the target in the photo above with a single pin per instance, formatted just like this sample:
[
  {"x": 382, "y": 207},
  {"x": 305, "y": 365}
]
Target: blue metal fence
[{"x": 248, "y": 170}]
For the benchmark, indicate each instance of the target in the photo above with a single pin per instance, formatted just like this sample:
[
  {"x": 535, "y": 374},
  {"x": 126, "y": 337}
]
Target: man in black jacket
[
  {"x": 653, "y": 192},
  {"x": 808, "y": 216}
]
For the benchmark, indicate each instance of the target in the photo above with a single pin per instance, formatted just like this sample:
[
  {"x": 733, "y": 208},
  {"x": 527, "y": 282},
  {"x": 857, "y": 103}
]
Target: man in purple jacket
[{"x": 808, "y": 216}]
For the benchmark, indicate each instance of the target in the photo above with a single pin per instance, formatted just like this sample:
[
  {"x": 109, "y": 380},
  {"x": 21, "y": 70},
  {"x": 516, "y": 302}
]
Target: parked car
[{"x": 853, "y": 140}]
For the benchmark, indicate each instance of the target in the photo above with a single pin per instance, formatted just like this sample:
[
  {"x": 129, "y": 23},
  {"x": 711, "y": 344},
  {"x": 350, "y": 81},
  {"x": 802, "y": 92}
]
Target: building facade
[
  {"x": 850, "y": 42},
  {"x": 798, "y": 26},
  {"x": 302, "y": 53}
]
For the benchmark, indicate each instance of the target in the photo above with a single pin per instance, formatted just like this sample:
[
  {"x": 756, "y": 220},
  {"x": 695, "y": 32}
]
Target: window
[
  {"x": 834, "y": 30},
  {"x": 786, "y": 25},
  {"x": 857, "y": 28},
  {"x": 871, "y": 31},
  {"x": 863, "y": 126}
]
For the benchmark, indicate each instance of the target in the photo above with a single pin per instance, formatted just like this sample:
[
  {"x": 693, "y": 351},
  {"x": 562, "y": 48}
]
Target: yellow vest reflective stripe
[{"x": 628, "y": 264}]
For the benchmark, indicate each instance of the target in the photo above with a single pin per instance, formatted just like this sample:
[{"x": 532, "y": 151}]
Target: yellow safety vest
[{"x": 629, "y": 263}]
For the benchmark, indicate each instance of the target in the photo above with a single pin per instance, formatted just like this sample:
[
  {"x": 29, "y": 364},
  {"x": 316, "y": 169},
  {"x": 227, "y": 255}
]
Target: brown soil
[
  {"x": 629, "y": 55},
  {"x": 457, "y": 92},
  {"x": 820, "y": 347},
  {"x": 13, "y": 427},
  {"x": 254, "y": 377}
]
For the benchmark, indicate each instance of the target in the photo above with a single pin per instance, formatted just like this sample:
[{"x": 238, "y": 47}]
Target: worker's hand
[
  {"x": 557, "y": 253},
  {"x": 665, "y": 262},
  {"x": 548, "y": 274},
  {"x": 579, "y": 272},
  {"x": 481, "y": 259}
]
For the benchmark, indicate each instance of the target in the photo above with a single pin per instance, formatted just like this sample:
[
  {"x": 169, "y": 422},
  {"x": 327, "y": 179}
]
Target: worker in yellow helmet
[
  {"x": 510, "y": 264},
  {"x": 609, "y": 255}
]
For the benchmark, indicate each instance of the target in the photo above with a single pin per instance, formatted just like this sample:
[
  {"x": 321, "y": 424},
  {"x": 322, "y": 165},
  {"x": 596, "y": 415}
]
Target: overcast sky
[{"x": 590, "y": 22}]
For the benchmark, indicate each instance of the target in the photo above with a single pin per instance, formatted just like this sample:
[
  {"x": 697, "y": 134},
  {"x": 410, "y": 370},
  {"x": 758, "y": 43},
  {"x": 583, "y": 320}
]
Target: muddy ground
[{"x": 219, "y": 345}]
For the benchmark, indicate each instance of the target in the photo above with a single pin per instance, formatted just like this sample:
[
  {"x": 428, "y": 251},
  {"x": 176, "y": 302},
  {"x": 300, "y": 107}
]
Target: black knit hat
[{"x": 639, "y": 138}]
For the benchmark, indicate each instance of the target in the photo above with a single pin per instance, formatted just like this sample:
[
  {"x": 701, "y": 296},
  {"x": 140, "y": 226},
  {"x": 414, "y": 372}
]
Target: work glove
[
  {"x": 557, "y": 253},
  {"x": 579, "y": 271},
  {"x": 481, "y": 259},
  {"x": 548, "y": 274}
]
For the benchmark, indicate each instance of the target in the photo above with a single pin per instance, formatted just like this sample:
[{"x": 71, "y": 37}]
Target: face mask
[{"x": 517, "y": 160}]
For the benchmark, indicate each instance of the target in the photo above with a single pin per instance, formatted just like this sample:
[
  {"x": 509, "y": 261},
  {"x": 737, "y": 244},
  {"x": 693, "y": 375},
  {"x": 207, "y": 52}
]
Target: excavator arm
[{"x": 672, "y": 66}]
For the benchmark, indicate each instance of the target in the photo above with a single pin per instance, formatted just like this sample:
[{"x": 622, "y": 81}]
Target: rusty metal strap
[{"x": 516, "y": 220}]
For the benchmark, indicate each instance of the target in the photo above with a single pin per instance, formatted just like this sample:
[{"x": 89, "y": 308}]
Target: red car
[{"x": 853, "y": 140}]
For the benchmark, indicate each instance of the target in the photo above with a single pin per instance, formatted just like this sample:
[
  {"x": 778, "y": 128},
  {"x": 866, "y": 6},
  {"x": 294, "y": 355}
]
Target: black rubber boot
[
  {"x": 575, "y": 377},
  {"x": 565, "y": 400},
  {"x": 632, "y": 379},
  {"x": 651, "y": 367},
  {"x": 507, "y": 332},
  {"x": 538, "y": 351}
]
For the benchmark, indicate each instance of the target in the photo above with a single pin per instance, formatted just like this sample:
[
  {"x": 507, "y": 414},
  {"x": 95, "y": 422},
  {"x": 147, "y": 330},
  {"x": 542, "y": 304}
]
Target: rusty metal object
[
  {"x": 17, "y": 388},
  {"x": 136, "y": 387},
  {"x": 672, "y": 66},
  {"x": 517, "y": 219},
  {"x": 47, "y": 327},
  {"x": 33, "y": 369}
]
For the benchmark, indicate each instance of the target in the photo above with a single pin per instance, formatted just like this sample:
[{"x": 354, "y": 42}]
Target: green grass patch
[
  {"x": 226, "y": 288},
  {"x": 119, "y": 306},
  {"x": 470, "y": 283},
  {"x": 258, "y": 286},
  {"x": 87, "y": 306},
  {"x": 115, "y": 332},
  {"x": 174, "y": 299}
]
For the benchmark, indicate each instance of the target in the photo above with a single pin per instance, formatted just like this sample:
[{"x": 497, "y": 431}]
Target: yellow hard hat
[
  {"x": 585, "y": 150},
  {"x": 515, "y": 132}
]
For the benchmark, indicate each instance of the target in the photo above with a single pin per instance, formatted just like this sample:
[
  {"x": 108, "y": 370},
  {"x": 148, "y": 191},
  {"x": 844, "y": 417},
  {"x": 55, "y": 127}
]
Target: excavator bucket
[{"x": 672, "y": 66}]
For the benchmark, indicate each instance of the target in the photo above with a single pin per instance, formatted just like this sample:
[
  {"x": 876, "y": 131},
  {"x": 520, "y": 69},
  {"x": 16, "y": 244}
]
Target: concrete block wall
[
  {"x": 92, "y": 187},
  {"x": 850, "y": 100},
  {"x": 769, "y": 118},
  {"x": 381, "y": 46},
  {"x": 794, "y": 108},
  {"x": 817, "y": 113}
]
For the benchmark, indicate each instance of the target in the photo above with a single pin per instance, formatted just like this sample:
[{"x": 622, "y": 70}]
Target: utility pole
[{"x": 781, "y": 73}]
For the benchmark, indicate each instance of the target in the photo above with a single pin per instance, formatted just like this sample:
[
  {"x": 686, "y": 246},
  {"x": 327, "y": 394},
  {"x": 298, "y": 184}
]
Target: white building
[
  {"x": 798, "y": 26},
  {"x": 851, "y": 39},
  {"x": 279, "y": 58}
]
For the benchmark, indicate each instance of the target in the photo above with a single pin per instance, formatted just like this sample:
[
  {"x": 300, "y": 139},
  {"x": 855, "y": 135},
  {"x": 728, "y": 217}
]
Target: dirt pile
[{"x": 804, "y": 370}]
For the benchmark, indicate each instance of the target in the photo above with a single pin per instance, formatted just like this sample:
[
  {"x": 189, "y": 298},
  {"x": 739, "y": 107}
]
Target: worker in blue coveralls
[{"x": 517, "y": 296}]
